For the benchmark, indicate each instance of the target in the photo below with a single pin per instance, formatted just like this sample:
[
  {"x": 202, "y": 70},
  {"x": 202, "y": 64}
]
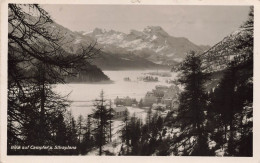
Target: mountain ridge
[
  {"x": 153, "y": 44},
  {"x": 150, "y": 48}
]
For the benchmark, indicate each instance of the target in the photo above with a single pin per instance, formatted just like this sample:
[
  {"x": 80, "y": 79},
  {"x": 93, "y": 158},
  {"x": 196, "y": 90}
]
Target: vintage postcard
[{"x": 132, "y": 78}]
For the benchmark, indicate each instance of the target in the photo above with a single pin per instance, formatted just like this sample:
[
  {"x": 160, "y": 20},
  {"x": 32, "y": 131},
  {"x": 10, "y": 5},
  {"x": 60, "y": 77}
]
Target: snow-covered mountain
[
  {"x": 150, "y": 47},
  {"x": 153, "y": 43},
  {"x": 73, "y": 42}
]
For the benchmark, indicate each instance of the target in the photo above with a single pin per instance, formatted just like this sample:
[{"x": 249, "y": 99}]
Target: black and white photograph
[{"x": 129, "y": 80}]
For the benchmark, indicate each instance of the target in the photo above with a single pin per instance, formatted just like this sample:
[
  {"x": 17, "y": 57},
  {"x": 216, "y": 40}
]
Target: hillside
[
  {"x": 64, "y": 39},
  {"x": 232, "y": 46},
  {"x": 92, "y": 74},
  {"x": 107, "y": 61},
  {"x": 237, "y": 46}
]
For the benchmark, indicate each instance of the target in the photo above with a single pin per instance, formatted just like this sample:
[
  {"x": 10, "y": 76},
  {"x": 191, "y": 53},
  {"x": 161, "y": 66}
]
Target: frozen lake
[{"x": 82, "y": 95}]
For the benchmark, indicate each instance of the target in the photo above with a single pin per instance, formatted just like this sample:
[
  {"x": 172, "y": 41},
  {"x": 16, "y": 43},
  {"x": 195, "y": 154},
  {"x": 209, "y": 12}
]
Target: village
[{"x": 162, "y": 100}]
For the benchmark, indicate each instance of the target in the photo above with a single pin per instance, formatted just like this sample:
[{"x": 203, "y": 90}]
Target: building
[
  {"x": 162, "y": 88},
  {"x": 159, "y": 107},
  {"x": 127, "y": 101},
  {"x": 119, "y": 112},
  {"x": 170, "y": 97},
  {"x": 149, "y": 99},
  {"x": 159, "y": 92},
  {"x": 173, "y": 92},
  {"x": 167, "y": 102}
]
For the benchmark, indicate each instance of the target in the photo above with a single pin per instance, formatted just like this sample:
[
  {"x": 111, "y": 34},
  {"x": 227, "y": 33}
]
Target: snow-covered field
[{"x": 82, "y": 95}]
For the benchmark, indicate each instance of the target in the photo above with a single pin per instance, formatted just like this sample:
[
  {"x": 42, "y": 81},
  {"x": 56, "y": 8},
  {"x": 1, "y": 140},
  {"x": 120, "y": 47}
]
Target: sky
[{"x": 203, "y": 25}]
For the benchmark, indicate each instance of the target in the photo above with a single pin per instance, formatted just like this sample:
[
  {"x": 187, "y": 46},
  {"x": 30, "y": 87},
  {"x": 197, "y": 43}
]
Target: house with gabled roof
[{"x": 119, "y": 112}]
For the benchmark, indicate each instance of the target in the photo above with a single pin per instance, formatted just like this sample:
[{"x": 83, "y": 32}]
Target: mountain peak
[
  {"x": 155, "y": 30},
  {"x": 97, "y": 31}
]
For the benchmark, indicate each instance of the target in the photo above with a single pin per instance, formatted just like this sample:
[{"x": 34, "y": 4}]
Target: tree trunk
[{"x": 42, "y": 102}]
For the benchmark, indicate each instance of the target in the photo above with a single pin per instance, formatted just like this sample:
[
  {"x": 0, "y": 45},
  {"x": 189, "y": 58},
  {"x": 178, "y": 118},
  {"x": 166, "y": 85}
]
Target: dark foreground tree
[
  {"x": 193, "y": 101},
  {"x": 139, "y": 140},
  {"x": 102, "y": 115},
  {"x": 231, "y": 107},
  {"x": 88, "y": 141},
  {"x": 80, "y": 128},
  {"x": 36, "y": 61}
]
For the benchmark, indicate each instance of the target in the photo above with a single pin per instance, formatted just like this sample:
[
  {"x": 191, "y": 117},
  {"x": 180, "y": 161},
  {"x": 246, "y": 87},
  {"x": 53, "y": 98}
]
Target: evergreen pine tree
[
  {"x": 88, "y": 140},
  {"x": 102, "y": 116},
  {"x": 71, "y": 129},
  {"x": 80, "y": 128},
  {"x": 141, "y": 103},
  {"x": 125, "y": 133},
  {"x": 193, "y": 103}
]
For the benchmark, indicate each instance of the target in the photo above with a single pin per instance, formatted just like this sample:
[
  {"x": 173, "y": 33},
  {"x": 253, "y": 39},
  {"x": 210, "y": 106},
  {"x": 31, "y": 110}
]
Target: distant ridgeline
[{"x": 153, "y": 44}]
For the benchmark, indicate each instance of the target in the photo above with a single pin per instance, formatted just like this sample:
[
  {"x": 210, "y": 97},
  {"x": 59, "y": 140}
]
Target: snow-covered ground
[
  {"x": 83, "y": 95},
  {"x": 112, "y": 147}
]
